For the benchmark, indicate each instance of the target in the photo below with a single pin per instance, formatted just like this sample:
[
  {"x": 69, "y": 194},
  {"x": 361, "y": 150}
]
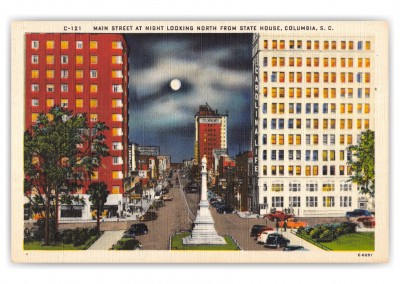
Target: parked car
[
  {"x": 357, "y": 213},
  {"x": 217, "y": 204},
  {"x": 276, "y": 241},
  {"x": 278, "y": 216},
  {"x": 140, "y": 229},
  {"x": 293, "y": 223},
  {"x": 262, "y": 237},
  {"x": 258, "y": 232},
  {"x": 167, "y": 197},
  {"x": 367, "y": 221},
  {"x": 131, "y": 244},
  {"x": 255, "y": 229},
  {"x": 225, "y": 209},
  {"x": 130, "y": 233},
  {"x": 294, "y": 248}
]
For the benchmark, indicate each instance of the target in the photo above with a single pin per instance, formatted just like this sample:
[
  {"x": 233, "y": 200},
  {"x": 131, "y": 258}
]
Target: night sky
[{"x": 213, "y": 68}]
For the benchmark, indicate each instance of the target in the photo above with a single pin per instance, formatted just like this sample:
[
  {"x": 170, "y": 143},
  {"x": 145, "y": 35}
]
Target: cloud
[{"x": 212, "y": 68}]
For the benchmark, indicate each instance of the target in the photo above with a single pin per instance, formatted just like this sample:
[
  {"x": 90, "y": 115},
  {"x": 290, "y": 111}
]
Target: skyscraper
[
  {"x": 86, "y": 73},
  {"x": 312, "y": 98},
  {"x": 211, "y": 133}
]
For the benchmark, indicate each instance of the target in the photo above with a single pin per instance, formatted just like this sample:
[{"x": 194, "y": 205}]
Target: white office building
[{"x": 312, "y": 98}]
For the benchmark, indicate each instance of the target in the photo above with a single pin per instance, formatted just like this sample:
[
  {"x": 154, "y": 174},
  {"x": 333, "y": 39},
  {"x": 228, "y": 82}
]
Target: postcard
[{"x": 200, "y": 142}]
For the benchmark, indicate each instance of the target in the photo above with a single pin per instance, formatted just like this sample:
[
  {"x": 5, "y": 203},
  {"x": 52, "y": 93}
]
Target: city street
[{"x": 177, "y": 215}]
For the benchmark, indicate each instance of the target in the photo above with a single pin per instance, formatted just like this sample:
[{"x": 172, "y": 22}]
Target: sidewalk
[
  {"x": 107, "y": 240},
  {"x": 295, "y": 240}
]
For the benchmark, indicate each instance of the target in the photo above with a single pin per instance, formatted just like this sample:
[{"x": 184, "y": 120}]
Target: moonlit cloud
[{"x": 212, "y": 68}]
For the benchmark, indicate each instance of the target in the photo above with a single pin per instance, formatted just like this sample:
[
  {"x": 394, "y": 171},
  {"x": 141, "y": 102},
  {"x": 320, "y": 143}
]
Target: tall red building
[
  {"x": 211, "y": 133},
  {"x": 86, "y": 73}
]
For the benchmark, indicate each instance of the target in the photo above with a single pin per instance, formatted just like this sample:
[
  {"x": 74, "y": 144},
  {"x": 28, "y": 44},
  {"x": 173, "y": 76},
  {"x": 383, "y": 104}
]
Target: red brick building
[
  {"x": 211, "y": 133},
  {"x": 86, "y": 73}
]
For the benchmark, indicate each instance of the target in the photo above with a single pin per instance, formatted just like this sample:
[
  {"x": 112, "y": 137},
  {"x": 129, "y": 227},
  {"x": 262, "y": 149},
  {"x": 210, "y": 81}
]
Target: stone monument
[{"x": 204, "y": 232}]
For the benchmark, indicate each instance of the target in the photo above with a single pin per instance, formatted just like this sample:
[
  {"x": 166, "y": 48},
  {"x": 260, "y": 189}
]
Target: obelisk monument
[{"x": 204, "y": 232}]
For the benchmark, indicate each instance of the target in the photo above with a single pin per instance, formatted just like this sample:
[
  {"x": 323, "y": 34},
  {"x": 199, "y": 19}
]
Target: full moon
[{"x": 175, "y": 84}]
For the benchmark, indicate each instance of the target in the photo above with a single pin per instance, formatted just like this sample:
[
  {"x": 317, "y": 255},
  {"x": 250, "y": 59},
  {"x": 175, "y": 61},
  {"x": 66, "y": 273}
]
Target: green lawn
[
  {"x": 176, "y": 244},
  {"x": 353, "y": 242},
  {"x": 36, "y": 245}
]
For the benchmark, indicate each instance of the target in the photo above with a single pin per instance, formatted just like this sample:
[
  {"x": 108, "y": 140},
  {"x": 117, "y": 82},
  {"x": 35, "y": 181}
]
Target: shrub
[{"x": 326, "y": 236}]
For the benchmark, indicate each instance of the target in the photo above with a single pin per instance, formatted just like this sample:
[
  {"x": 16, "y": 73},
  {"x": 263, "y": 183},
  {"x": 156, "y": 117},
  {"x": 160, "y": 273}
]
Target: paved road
[
  {"x": 173, "y": 218},
  {"x": 107, "y": 240}
]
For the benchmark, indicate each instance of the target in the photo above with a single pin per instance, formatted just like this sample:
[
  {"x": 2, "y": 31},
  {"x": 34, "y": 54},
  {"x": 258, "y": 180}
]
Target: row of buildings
[
  {"x": 312, "y": 99},
  {"x": 88, "y": 73}
]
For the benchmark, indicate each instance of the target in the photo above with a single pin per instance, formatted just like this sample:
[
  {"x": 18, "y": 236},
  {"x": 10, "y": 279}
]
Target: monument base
[{"x": 204, "y": 232}]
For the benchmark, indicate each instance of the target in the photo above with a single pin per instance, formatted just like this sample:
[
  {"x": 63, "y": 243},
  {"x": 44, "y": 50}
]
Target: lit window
[
  {"x": 64, "y": 44},
  {"x": 329, "y": 201},
  {"x": 64, "y": 102},
  {"x": 50, "y": 44},
  {"x": 79, "y": 74},
  {"x": 93, "y": 117},
  {"x": 116, "y": 45},
  {"x": 50, "y": 74},
  {"x": 93, "y": 88},
  {"x": 93, "y": 44},
  {"x": 368, "y": 45},
  {"x": 298, "y": 170},
  {"x": 117, "y": 103},
  {"x": 49, "y": 59},
  {"x": 93, "y": 103},
  {"x": 117, "y": 73},
  {"x": 116, "y": 59},
  {"x": 35, "y": 74},
  {"x": 79, "y": 103},
  {"x": 79, "y": 88},
  {"x": 34, "y": 117},
  {"x": 93, "y": 59},
  {"x": 49, "y": 102},
  {"x": 79, "y": 59}
]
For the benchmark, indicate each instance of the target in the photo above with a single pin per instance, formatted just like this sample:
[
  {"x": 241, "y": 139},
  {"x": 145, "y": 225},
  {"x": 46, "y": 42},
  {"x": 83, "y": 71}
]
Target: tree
[
  {"x": 363, "y": 166},
  {"x": 98, "y": 196},
  {"x": 61, "y": 152}
]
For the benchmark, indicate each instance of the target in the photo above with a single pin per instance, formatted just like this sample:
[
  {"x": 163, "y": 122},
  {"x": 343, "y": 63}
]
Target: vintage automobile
[
  {"x": 139, "y": 229},
  {"x": 276, "y": 241},
  {"x": 262, "y": 237},
  {"x": 167, "y": 197},
  {"x": 357, "y": 213},
  {"x": 294, "y": 248},
  {"x": 293, "y": 223},
  {"x": 225, "y": 209},
  {"x": 366, "y": 222},
  {"x": 278, "y": 216}
]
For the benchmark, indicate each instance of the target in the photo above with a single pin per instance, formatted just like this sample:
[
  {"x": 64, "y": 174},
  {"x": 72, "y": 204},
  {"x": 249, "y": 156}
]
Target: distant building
[
  {"x": 133, "y": 154},
  {"x": 164, "y": 164},
  {"x": 243, "y": 174},
  {"x": 211, "y": 133},
  {"x": 149, "y": 150},
  {"x": 217, "y": 153}
]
